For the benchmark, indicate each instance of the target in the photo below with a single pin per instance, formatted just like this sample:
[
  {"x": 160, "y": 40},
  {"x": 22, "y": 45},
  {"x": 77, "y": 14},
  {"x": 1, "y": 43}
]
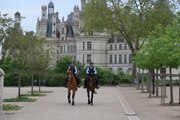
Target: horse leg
[
  {"x": 69, "y": 94},
  {"x": 92, "y": 95},
  {"x": 73, "y": 97},
  {"x": 88, "y": 97}
]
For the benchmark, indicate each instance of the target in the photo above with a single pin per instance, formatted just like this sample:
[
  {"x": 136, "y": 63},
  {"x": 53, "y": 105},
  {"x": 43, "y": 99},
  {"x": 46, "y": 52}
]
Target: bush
[
  {"x": 124, "y": 78},
  {"x": 56, "y": 79}
]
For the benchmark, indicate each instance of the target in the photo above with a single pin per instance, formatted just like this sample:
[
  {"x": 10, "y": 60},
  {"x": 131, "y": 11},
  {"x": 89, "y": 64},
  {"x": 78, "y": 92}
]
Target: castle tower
[
  {"x": 43, "y": 12},
  {"x": 41, "y": 26},
  {"x": 50, "y": 12},
  {"x": 54, "y": 24},
  {"x": 63, "y": 30},
  {"x": 83, "y": 3},
  {"x": 76, "y": 20},
  {"x": 17, "y": 18}
]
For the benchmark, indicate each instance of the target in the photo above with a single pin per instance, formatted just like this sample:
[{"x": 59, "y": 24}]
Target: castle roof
[
  {"x": 17, "y": 14},
  {"x": 51, "y": 4}
]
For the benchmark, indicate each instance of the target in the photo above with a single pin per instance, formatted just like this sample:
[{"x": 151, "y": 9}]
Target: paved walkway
[
  {"x": 111, "y": 103},
  {"x": 54, "y": 106},
  {"x": 149, "y": 108}
]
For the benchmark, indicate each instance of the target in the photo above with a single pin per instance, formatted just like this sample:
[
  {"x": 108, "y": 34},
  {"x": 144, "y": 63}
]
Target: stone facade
[{"x": 65, "y": 38}]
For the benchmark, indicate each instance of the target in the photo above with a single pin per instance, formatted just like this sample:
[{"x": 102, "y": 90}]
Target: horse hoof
[
  {"x": 73, "y": 103},
  {"x": 69, "y": 101},
  {"x": 91, "y": 104}
]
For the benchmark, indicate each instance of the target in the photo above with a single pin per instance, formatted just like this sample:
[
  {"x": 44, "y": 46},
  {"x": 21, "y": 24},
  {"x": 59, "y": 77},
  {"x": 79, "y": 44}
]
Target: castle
[{"x": 64, "y": 37}]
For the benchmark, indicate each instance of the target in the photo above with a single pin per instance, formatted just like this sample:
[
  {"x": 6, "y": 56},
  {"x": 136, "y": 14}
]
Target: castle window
[
  {"x": 115, "y": 59},
  {"x": 125, "y": 58},
  {"x": 83, "y": 46},
  {"x": 88, "y": 58},
  {"x": 130, "y": 58},
  {"x": 68, "y": 48},
  {"x": 111, "y": 47},
  {"x": 125, "y": 46},
  {"x": 62, "y": 30},
  {"x": 71, "y": 48},
  {"x": 54, "y": 31},
  {"x": 74, "y": 48},
  {"x": 115, "y": 47},
  {"x": 89, "y": 45},
  {"x": 64, "y": 49},
  {"x": 61, "y": 50},
  {"x": 54, "y": 24},
  {"x": 120, "y": 59},
  {"x": 110, "y": 59},
  {"x": 62, "y": 38},
  {"x": 120, "y": 46},
  {"x": 83, "y": 58}
]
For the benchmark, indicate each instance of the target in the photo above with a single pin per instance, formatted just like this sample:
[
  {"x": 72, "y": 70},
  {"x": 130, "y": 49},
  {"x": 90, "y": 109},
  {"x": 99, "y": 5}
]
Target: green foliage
[
  {"x": 11, "y": 77},
  {"x": 9, "y": 107},
  {"x": 21, "y": 99},
  {"x": 34, "y": 95},
  {"x": 56, "y": 79},
  {"x": 63, "y": 64},
  {"x": 161, "y": 48}
]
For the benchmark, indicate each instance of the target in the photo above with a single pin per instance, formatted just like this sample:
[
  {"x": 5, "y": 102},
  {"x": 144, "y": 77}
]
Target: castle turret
[
  {"x": 76, "y": 20},
  {"x": 43, "y": 12},
  {"x": 83, "y": 3},
  {"x": 63, "y": 30}
]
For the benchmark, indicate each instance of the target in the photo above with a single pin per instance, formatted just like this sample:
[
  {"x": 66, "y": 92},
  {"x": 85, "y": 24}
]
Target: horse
[
  {"x": 90, "y": 87},
  {"x": 71, "y": 86}
]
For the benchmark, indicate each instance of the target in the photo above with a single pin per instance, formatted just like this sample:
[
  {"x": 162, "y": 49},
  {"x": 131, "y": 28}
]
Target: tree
[
  {"x": 37, "y": 57},
  {"x": 130, "y": 18},
  {"x": 62, "y": 64},
  {"x": 161, "y": 50},
  {"x": 18, "y": 52},
  {"x": 41, "y": 62},
  {"x": 6, "y": 24}
]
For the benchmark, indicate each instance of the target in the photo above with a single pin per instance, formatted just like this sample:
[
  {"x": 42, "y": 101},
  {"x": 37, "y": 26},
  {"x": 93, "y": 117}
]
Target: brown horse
[
  {"x": 71, "y": 85},
  {"x": 91, "y": 85}
]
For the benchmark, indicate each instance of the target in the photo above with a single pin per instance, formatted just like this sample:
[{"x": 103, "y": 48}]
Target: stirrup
[{"x": 97, "y": 87}]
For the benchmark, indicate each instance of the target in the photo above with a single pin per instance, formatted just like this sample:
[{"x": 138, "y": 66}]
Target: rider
[
  {"x": 74, "y": 69},
  {"x": 89, "y": 71}
]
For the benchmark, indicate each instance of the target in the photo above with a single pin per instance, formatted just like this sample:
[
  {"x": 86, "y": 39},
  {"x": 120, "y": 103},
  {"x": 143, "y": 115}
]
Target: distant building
[{"x": 65, "y": 38}]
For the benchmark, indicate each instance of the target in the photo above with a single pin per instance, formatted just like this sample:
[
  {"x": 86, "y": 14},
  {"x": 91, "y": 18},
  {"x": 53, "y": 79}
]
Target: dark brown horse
[
  {"x": 91, "y": 85},
  {"x": 72, "y": 86}
]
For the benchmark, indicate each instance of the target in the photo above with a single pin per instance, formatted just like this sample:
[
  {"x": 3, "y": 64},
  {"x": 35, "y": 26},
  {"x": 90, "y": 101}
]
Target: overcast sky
[{"x": 31, "y": 10}]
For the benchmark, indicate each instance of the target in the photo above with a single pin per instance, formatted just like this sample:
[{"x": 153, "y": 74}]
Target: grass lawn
[
  {"x": 21, "y": 99},
  {"x": 9, "y": 107}
]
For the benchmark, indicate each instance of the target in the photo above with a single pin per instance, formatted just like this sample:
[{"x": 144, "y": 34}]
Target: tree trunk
[
  {"x": 150, "y": 83},
  {"x": 157, "y": 84},
  {"x": 134, "y": 74},
  {"x": 39, "y": 83},
  {"x": 32, "y": 83},
  {"x": 153, "y": 81},
  {"x": 171, "y": 86},
  {"x": 142, "y": 81},
  {"x": 19, "y": 87},
  {"x": 179, "y": 88}
]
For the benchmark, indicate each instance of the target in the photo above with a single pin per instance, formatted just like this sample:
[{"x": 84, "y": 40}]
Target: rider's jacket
[
  {"x": 91, "y": 70},
  {"x": 73, "y": 68}
]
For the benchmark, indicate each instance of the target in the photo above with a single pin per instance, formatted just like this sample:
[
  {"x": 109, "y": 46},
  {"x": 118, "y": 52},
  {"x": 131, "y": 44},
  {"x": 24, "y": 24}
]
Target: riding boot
[
  {"x": 97, "y": 83},
  {"x": 66, "y": 83},
  {"x": 78, "y": 82},
  {"x": 84, "y": 83}
]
